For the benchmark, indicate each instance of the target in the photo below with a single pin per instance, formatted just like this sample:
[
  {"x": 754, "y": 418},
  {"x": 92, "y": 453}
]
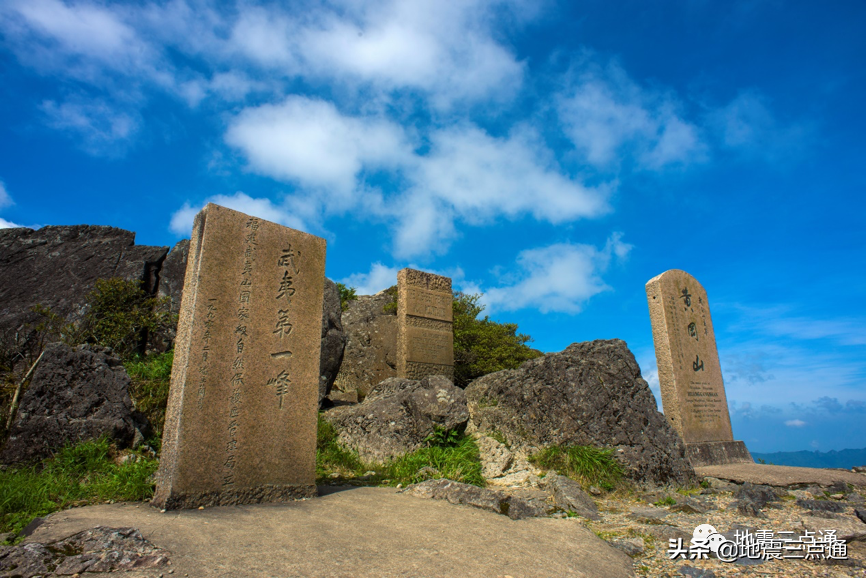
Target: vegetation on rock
[
  {"x": 347, "y": 294},
  {"x": 483, "y": 346},
  {"x": 588, "y": 465},
  {"x": 88, "y": 473},
  {"x": 391, "y": 307},
  {"x": 119, "y": 315},
  {"x": 448, "y": 454}
]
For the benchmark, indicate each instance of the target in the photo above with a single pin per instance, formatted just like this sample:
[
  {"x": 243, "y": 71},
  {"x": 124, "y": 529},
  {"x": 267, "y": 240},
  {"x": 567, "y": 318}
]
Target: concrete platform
[
  {"x": 780, "y": 475},
  {"x": 357, "y": 532}
]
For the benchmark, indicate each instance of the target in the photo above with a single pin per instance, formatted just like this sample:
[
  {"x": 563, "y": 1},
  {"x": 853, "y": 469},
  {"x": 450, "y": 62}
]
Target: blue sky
[{"x": 555, "y": 156}]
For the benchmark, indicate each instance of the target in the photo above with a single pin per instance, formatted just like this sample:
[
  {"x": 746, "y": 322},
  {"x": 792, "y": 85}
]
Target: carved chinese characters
[
  {"x": 425, "y": 339},
  {"x": 690, "y": 377},
  {"x": 241, "y": 419}
]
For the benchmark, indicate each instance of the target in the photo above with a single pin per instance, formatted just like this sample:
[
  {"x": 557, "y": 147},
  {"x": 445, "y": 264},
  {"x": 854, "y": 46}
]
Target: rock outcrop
[
  {"x": 569, "y": 496},
  {"x": 591, "y": 393},
  {"x": 333, "y": 339},
  {"x": 468, "y": 495},
  {"x": 398, "y": 415},
  {"x": 58, "y": 267},
  {"x": 371, "y": 349},
  {"x": 172, "y": 273},
  {"x": 76, "y": 394},
  {"x": 100, "y": 550}
]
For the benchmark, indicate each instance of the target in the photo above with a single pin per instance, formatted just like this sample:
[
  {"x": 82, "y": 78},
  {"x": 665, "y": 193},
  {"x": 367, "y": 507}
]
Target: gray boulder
[
  {"x": 822, "y": 506},
  {"x": 172, "y": 274},
  {"x": 371, "y": 346},
  {"x": 398, "y": 415},
  {"x": 592, "y": 394},
  {"x": 76, "y": 394},
  {"x": 759, "y": 494},
  {"x": 58, "y": 267},
  {"x": 100, "y": 549},
  {"x": 170, "y": 284},
  {"x": 333, "y": 339},
  {"x": 468, "y": 495},
  {"x": 569, "y": 496}
]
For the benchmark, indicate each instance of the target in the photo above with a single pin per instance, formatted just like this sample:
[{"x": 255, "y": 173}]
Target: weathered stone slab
[
  {"x": 690, "y": 376},
  {"x": 425, "y": 341},
  {"x": 429, "y": 346},
  {"x": 241, "y": 419}
]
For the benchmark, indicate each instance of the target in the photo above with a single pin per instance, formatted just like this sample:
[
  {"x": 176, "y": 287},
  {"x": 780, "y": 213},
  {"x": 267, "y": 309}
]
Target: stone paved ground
[{"x": 654, "y": 530}]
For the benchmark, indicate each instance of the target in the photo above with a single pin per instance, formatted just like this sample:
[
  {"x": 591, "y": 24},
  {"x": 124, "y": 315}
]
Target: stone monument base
[
  {"x": 718, "y": 453},
  {"x": 264, "y": 493}
]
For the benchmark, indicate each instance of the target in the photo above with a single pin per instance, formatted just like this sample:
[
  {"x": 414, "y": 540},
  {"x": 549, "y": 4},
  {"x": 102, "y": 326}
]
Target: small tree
[
  {"x": 347, "y": 294},
  {"x": 482, "y": 346}
]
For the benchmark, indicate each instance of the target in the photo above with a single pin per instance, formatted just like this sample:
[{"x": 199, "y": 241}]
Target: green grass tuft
[
  {"x": 332, "y": 458},
  {"x": 459, "y": 462},
  {"x": 588, "y": 465},
  {"x": 452, "y": 454},
  {"x": 77, "y": 475}
]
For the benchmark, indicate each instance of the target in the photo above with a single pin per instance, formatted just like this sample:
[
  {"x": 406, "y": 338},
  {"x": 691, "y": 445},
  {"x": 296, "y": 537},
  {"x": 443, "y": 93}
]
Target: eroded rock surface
[
  {"x": 398, "y": 415},
  {"x": 58, "y": 267},
  {"x": 468, "y": 495},
  {"x": 371, "y": 347},
  {"x": 569, "y": 496},
  {"x": 101, "y": 549},
  {"x": 76, "y": 394},
  {"x": 333, "y": 339},
  {"x": 591, "y": 393}
]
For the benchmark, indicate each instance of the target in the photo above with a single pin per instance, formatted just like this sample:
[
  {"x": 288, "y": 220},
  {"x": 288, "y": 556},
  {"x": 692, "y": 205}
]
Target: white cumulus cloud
[
  {"x": 5, "y": 198},
  {"x": 308, "y": 141},
  {"x": 101, "y": 128},
  {"x": 378, "y": 278},
  {"x": 608, "y": 116},
  {"x": 795, "y": 423},
  {"x": 560, "y": 277}
]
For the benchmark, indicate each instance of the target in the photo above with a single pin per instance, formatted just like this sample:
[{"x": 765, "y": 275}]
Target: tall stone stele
[
  {"x": 693, "y": 394},
  {"x": 425, "y": 338},
  {"x": 241, "y": 420}
]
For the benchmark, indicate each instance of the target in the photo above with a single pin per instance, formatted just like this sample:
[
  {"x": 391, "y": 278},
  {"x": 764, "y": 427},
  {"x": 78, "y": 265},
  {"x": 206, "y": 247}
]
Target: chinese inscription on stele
[
  {"x": 241, "y": 420},
  {"x": 690, "y": 376},
  {"x": 425, "y": 339}
]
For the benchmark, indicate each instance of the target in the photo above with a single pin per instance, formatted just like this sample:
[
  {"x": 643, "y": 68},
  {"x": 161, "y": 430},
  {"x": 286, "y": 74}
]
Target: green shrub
[
  {"x": 586, "y": 464},
  {"x": 482, "y": 346},
  {"x": 443, "y": 438},
  {"x": 151, "y": 378},
  {"x": 119, "y": 314},
  {"x": 77, "y": 475},
  {"x": 391, "y": 306},
  {"x": 347, "y": 294}
]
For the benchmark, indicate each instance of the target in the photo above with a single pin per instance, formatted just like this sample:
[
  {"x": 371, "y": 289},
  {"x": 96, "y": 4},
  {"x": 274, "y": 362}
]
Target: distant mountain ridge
[{"x": 833, "y": 459}]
